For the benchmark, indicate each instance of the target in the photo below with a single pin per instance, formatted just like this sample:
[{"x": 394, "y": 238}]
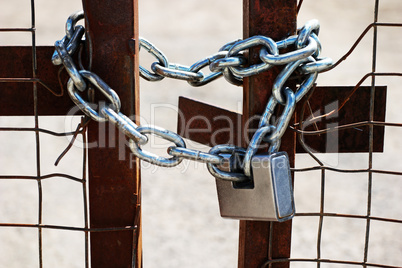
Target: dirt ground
[{"x": 182, "y": 226}]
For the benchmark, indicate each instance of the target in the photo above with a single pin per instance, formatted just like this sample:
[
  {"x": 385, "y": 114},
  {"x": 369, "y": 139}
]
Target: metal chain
[{"x": 229, "y": 62}]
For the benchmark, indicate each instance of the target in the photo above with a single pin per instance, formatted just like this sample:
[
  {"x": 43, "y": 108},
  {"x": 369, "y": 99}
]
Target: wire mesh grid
[
  {"x": 27, "y": 156},
  {"x": 351, "y": 246},
  {"x": 40, "y": 177}
]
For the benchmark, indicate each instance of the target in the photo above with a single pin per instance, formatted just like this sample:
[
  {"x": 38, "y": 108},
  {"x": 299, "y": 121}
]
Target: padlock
[{"x": 268, "y": 197}]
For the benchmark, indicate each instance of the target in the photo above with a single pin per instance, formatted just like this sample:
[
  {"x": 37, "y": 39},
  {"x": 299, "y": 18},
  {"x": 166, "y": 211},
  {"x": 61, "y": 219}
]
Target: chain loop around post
[{"x": 230, "y": 62}]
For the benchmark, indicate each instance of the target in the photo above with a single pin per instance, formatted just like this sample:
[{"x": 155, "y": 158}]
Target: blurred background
[{"x": 182, "y": 226}]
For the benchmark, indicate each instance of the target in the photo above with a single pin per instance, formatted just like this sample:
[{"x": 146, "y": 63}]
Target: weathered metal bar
[
  {"x": 208, "y": 124},
  {"x": 114, "y": 176},
  {"x": 260, "y": 241},
  {"x": 211, "y": 125},
  {"x": 17, "y": 78},
  {"x": 342, "y": 110}
]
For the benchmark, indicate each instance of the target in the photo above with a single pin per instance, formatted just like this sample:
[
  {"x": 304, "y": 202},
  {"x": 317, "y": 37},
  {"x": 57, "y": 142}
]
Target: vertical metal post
[
  {"x": 260, "y": 241},
  {"x": 114, "y": 177}
]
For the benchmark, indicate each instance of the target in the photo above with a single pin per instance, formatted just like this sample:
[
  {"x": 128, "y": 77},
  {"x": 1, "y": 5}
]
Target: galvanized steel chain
[
  {"x": 303, "y": 59},
  {"x": 230, "y": 61}
]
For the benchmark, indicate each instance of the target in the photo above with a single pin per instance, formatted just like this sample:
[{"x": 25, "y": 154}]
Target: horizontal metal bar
[
  {"x": 378, "y": 171},
  {"x": 17, "y": 29},
  {"x": 211, "y": 125},
  {"x": 336, "y": 215},
  {"x": 205, "y": 123},
  {"x": 16, "y": 83},
  {"x": 19, "y": 80},
  {"x": 289, "y": 260},
  {"x": 69, "y": 228},
  {"x": 347, "y": 126},
  {"x": 339, "y": 108},
  {"x": 53, "y": 175},
  {"x": 42, "y": 130}
]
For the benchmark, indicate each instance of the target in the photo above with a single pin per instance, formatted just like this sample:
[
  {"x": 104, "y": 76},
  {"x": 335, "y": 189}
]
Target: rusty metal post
[
  {"x": 276, "y": 19},
  {"x": 114, "y": 177}
]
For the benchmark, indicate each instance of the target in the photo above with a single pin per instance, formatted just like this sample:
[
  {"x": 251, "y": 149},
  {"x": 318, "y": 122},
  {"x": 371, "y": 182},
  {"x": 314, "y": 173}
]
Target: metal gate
[{"x": 344, "y": 144}]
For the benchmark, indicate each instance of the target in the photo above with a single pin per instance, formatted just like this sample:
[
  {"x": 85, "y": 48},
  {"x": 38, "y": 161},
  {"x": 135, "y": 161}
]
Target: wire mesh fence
[
  {"x": 44, "y": 165},
  {"x": 354, "y": 198},
  {"x": 36, "y": 196}
]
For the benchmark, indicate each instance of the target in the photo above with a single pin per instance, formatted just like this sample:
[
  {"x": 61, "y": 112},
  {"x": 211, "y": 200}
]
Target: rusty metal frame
[
  {"x": 114, "y": 189},
  {"x": 261, "y": 241}
]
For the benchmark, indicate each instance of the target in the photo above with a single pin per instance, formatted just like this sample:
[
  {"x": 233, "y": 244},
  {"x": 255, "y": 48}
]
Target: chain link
[
  {"x": 229, "y": 62},
  {"x": 227, "y": 175},
  {"x": 162, "y": 60},
  {"x": 71, "y": 69},
  {"x": 195, "y": 155},
  {"x": 155, "y": 159}
]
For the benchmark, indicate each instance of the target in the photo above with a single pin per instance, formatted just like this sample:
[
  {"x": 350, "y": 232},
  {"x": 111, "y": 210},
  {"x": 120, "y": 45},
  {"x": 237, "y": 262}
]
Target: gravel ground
[{"x": 181, "y": 222}]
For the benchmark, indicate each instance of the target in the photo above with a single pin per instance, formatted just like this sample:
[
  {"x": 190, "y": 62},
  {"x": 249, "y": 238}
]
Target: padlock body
[{"x": 268, "y": 198}]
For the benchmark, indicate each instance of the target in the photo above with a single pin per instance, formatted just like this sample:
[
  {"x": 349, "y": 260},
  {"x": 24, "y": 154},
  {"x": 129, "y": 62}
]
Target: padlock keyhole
[
  {"x": 244, "y": 185},
  {"x": 236, "y": 162}
]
